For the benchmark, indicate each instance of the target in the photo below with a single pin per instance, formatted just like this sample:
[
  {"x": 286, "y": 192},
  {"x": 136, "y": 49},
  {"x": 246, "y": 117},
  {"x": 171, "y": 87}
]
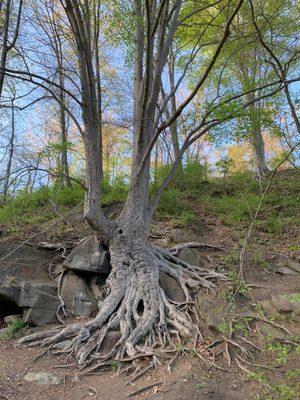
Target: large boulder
[
  {"x": 25, "y": 285},
  {"x": 24, "y": 281},
  {"x": 89, "y": 256},
  {"x": 14, "y": 272},
  {"x": 21, "y": 266},
  {"x": 42, "y": 311},
  {"x": 39, "y": 301},
  {"x": 77, "y": 295}
]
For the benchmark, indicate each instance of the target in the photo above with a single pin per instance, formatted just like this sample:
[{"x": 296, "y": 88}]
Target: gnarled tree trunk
[{"x": 135, "y": 303}]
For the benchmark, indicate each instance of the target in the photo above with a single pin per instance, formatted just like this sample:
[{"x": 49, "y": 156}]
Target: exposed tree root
[{"x": 150, "y": 324}]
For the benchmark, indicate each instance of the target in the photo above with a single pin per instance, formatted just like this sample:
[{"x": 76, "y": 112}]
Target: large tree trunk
[{"x": 135, "y": 304}]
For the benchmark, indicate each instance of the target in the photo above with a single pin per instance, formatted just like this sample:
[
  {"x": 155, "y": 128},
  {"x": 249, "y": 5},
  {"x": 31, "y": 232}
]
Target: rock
[
  {"x": 109, "y": 342},
  {"x": 286, "y": 266},
  {"x": 189, "y": 255},
  {"x": 40, "y": 302},
  {"x": 42, "y": 378},
  {"x": 178, "y": 236},
  {"x": 77, "y": 296},
  {"x": 31, "y": 290},
  {"x": 286, "y": 271},
  {"x": 3, "y": 331},
  {"x": 211, "y": 311},
  {"x": 42, "y": 311},
  {"x": 96, "y": 285},
  {"x": 12, "y": 318},
  {"x": 25, "y": 283},
  {"x": 89, "y": 256},
  {"x": 268, "y": 308},
  {"x": 23, "y": 265},
  {"x": 287, "y": 303},
  {"x": 171, "y": 288}
]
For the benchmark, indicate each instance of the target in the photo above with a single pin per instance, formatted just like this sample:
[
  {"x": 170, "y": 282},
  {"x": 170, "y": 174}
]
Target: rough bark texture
[
  {"x": 136, "y": 305},
  {"x": 11, "y": 148},
  {"x": 259, "y": 153},
  {"x": 257, "y": 140}
]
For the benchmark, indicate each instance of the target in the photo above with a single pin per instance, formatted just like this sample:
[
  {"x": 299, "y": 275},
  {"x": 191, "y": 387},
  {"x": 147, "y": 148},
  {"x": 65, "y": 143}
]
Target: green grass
[
  {"x": 33, "y": 208},
  {"x": 234, "y": 201},
  {"x": 13, "y": 328}
]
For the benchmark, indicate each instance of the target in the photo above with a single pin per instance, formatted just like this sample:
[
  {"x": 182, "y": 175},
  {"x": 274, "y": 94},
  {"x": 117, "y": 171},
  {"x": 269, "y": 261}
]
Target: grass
[
  {"x": 13, "y": 328},
  {"x": 234, "y": 201}
]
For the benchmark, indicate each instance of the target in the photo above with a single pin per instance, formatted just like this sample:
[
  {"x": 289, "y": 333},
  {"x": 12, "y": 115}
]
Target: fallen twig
[{"x": 144, "y": 389}]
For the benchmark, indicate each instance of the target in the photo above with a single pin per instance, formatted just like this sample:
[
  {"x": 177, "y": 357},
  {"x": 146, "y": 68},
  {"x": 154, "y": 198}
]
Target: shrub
[{"x": 13, "y": 328}]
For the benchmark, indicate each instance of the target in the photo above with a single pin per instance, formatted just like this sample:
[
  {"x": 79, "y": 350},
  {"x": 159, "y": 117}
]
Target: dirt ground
[{"x": 190, "y": 378}]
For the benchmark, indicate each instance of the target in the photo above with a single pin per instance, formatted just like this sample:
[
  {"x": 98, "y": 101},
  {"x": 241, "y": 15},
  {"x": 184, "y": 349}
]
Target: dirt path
[{"x": 186, "y": 382}]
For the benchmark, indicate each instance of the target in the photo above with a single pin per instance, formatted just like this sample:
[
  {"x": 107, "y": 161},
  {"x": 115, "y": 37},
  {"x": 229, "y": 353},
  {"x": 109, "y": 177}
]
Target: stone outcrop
[
  {"x": 89, "y": 256},
  {"x": 77, "y": 296}
]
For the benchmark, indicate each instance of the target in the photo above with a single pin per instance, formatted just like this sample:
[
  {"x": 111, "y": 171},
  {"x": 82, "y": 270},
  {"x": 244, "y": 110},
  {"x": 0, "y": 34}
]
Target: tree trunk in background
[
  {"x": 6, "y": 45},
  {"x": 259, "y": 151},
  {"x": 63, "y": 161},
  {"x": 64, "y": 136},
  {"x": 96, "y": 34},
  {"x": 173, "y": 126},
  {"x": 257, "y": 140},
  {"x": 11, "y": 147}
]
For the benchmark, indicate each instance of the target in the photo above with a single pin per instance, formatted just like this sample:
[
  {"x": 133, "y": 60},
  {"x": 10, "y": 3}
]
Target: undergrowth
[
  {"x": 13, "y": 328},
  {"x": 233, "y": 200}
]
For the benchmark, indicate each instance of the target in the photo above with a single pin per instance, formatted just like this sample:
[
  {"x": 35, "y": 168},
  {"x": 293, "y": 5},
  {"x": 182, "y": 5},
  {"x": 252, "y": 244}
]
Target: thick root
[{"x": 149, "y": 323}]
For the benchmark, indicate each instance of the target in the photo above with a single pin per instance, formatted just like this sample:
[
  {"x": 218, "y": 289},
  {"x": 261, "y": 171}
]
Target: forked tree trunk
[{"x": 135, "y": 303}]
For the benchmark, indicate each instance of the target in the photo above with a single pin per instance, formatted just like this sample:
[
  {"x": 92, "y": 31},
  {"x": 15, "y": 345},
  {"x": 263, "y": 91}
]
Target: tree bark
[
  {"x": 257, "y": 141},
  {"x": 7, "y": 45},
  {"x": 11, "y": 148},
  {"x": 64, "y": 134},
  {"x": 136, "y": 303}
]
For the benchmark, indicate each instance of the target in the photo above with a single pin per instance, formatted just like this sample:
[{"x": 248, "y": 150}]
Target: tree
[
  {"x": 11, "y": 149},
  {"x": 136, "y": 303},
  {"x": 224, "y": 165},
  {"x": 282, "y": 52},
  {"x": 8, "y": 39}
]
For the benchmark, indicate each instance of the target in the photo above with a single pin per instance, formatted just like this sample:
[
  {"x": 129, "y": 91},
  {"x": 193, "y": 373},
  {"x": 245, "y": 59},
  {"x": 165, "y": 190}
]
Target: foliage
[
  {"x": 13, "y": 328},
  {"x": 224, "y": 165}
]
